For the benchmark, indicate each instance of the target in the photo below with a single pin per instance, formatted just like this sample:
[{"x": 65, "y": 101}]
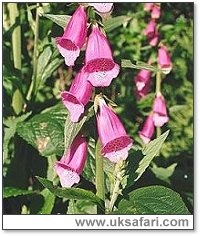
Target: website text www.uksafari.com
[{"x": 139, "y": 222}]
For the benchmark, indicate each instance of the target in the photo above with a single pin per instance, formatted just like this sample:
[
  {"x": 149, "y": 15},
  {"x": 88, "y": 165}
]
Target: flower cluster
[
  {"x": 151, "y": 30},
  {"x": 158, "y": 116},
  {"x": 99, "y": 70}
]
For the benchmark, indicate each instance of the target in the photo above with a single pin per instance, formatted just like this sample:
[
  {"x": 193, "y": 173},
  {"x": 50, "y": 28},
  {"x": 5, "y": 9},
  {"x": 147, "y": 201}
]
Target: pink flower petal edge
[{"x": 102, "y": 7}]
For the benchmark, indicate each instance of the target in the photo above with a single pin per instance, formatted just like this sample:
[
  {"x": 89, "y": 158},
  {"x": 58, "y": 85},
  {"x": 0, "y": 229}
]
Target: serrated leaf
[
  {"x": 141, "y": 159},
  {"x": 114, "y": 22},
  {"x": 139, "y": 65},
  {"x": 70, "y": 193},
  {"x": 61, "y": 20},
  {"x": 45, "y": 131},
  {"x": 177, "y": 108},
  {"x": 14, "y": 192},
  {"x": 110, "y": 24},
  {"x": 153, "y": 200},
  {"x": 10, "y": 132}
]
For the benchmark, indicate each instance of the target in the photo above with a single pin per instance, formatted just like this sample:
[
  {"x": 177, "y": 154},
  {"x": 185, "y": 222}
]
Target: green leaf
[
  {"x": 163, "y": 173},
  {"x": 17, "y": 101},
  {"x": 10, "y": 131},
  {"x": 153, "y": 200},
  {"x": 81, "y": 207},
  {"x": 14, "y": 192},
  {"x": 139, "y": 65},
  {"x": 110, "y": 24},
  {"x": 70, "y": 193},
  {"x": 61, "y": 20},
  {"x": 72, "y": 129},
  {"x": 49, "y": 200},
  {"x": 89, "y": 168},
  {"x": 47, "y": 64},
  {"x": 114, "y": 22},
  {"x": 138, "y": 163},
  {"x": 45, "y": 131}
]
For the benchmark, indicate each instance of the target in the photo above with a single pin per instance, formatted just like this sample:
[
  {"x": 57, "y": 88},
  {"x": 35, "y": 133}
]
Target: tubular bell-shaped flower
[
  {"x": 102, "y": 7},
  {"x": 164, "y": 60},
  {"x": 114, "y": 139},
  {"x": 144, "y": 91},
  {"x": 72, "y": 163},
  {"x": 150, "y": 29},
  {"x": 142, "y": 78},
  {"x": 78, "y": 96},
  {"x": 148, "y": 129},
  {"x": 99, "y": 62},
  {"x": 155, "y": 13},
  {"x": 152, "y": 33},
  {"x": 153, "y": 41},
  {"x": 160, "y": 116},
  {"x": 148, "y": 6},
  {"x": 74, "y": 36}
]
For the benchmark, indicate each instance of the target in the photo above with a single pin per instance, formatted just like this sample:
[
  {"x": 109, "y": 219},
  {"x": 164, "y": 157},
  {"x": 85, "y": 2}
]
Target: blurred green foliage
[{"x": 172, "y": 168}]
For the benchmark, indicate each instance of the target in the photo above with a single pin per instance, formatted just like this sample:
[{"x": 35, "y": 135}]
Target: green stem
[
  {"x": 158, "y": 90},
  {"x": 33, "y": 87},
  {"x": 17, "y": 99},
  {"x": 16, "y": 35},
  {"x": 114, "y": 194},
  {"x": 158, "y": 132},
  {"x": 99, "y": 176},
  {"x": 158, "y": 82},
  {"x": 119, "y": 172}
]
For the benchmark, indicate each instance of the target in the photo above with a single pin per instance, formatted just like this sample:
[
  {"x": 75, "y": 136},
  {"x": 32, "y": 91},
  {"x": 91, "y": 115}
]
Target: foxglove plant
[
  {"x": 78, "y": 96},
  {"x": 148, "y": 129},
  {"x": 71, "y": 165},
  {"x": 99, "y": 63},
  {"x": 102, "y": 7},
  {"x": 74, "y": 36},
  {"x": 114, "y": 139}
]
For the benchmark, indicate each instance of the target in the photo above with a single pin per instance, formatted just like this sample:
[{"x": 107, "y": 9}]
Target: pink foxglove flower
[
  {"x": 78, "y": 96},
  {"x": 142, "y": 78},
  {"x": 150, "y": 29},
  {"x": 102, "y": 7},
  {"x": 148, "y": 6},
  {"x": 144, "y": 91},
  {"x": 155, "y": 14},
  {"x": 71, "y": 165},
  {"x": 160, "y": 116},
  {"x": 74, "y": 36},
  {"x": 148, "y": 129},
  {"x": 114, "y": 139},
  {"x": 164, "y": 60},
  {"x": 153, "y": 41},
  {"x": 99, "y": 61}
]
